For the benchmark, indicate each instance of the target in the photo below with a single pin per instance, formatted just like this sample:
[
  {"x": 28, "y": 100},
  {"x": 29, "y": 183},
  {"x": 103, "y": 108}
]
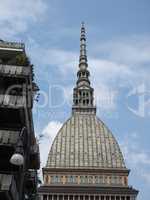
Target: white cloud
[
  {"x": 51, "y": 129},
  {"x": 105, "y": 98},
  {"x": 16, "y": 15},
  {"x": 146, "y": 176},
  {"x": 136, "y": 157},
  {"x": 48, "y": 134},
  {"x": 134, "y": 49},
  {"x": 107, "y": 75}
]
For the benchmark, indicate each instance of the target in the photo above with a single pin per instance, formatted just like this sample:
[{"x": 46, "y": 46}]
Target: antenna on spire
[
  {"x": 83, "y": 56},
  {"x": 82, "y": 24}
]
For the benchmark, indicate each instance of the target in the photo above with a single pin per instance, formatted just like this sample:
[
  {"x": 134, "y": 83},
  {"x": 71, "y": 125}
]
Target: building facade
[
  {"x": 19, "y": 151},
  {"x": 85, "y": 161}
]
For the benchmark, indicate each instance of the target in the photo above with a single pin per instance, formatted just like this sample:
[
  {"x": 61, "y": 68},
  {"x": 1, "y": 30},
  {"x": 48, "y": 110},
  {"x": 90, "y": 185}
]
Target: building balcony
[
  {"x": 14, "y": 71},
  {"x": 8, "y": 189},
  {"x": 10, "y": 49},
  {"x": 8, "y": 137},
  {"x": 12, "y": 101},
  {"x": 8, "y": 140},
  {"x": 12, "y": 45}
]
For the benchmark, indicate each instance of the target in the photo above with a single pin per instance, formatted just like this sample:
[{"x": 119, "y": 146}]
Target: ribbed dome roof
[{"x": 85, "y": 142}]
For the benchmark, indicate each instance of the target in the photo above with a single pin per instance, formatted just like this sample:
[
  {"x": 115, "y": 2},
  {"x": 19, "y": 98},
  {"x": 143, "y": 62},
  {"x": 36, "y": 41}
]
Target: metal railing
[
  {"x": 14, "y": 70},
  {"x": 8, "y": 137},
  {"x": 8, "y": 186},
  {"x": 15, "y": 45},
  {"x": 12, "y": 101}
]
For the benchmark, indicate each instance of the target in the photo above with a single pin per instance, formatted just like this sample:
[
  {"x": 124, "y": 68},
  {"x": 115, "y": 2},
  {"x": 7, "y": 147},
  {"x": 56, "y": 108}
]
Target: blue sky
[{"x": 118, "y": 56}]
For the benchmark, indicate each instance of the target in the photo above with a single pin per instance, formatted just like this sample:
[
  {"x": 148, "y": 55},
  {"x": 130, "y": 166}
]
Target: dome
[{"x": 85, "y": 142}]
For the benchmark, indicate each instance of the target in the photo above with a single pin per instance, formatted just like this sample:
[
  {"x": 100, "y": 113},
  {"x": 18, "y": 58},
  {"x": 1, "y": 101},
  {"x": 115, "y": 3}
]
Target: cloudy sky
[{"x": 118, "y": 56}]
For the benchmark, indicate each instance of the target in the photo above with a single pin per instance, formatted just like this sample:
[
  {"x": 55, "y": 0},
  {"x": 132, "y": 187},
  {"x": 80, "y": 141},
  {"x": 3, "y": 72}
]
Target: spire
[
  {"x": 83, "y": 56},
  {"x": 83, "y": 92}
]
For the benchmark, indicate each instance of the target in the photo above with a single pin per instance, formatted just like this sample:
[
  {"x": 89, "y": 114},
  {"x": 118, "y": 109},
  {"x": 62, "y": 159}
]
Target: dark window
[
  {"x": 71, "y": 197},
  {"x": 83, "y": 73},
  {"x": 97, "y": 198},
  {"x": 45, "y": 197},
  {"x": 55, "y": 197},
  {"x": 76, "y": 197},
  {"x": 50, "y": 197},
  {"x": 122, "y": 198},
  {"x": 91, "y": 198},
  {"x": 86, "y": 198},
  {"x": 112, "y": 198},
  {"x": 66, "y": 197},
  {"x": 60, "y": 197}
]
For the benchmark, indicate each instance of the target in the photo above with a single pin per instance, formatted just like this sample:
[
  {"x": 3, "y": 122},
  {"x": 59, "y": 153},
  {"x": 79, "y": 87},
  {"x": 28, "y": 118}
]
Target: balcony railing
[
  {"x": 12, "y": 101},
  {"x": 13, "y": 45},
  {"x": 12, "y": 70},
  {"x": 8, "y": 137},
  {"x": 8, "y": 189}
]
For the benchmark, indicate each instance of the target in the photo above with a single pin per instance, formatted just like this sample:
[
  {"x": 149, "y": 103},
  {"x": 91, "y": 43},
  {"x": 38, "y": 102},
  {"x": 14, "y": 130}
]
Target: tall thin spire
[
  {"x": 83, "y": 93},
  {"x": 83, "y": 56}
]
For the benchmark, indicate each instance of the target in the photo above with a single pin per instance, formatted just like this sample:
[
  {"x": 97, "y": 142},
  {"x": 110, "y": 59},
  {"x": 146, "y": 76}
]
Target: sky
[{"x": 118, "y": 44}]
